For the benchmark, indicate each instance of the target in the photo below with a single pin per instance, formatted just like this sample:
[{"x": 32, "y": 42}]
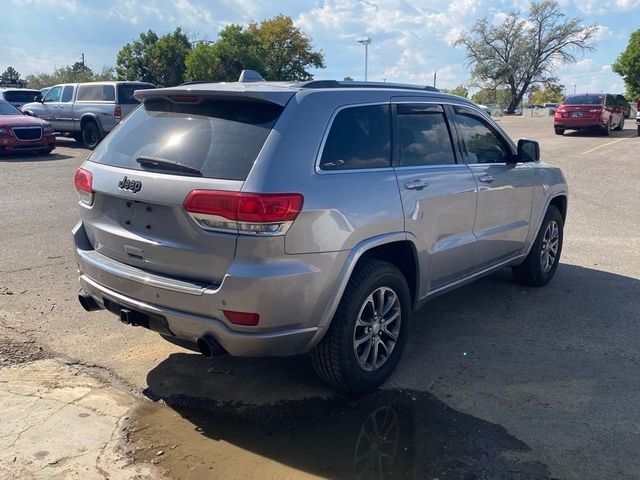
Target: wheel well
[
  {"x": 560, "y": 202},
  {"x": 403, "y": 255},
  {"x": 85, "y": 120}
]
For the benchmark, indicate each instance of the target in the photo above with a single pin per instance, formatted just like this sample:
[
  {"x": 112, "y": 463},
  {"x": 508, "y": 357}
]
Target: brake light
[
  {"x": 184, "y": 98},
  {"x": 117, "y": 113},
  {"x": 596, "y": 110},
  {"x": 242, "y": 318},
  {"x": 83, "y": 180},
  {"x": 258, "y": 213}
]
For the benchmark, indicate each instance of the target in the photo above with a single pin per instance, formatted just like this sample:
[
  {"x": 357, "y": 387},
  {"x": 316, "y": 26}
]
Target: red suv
[{"x": 589, "y": 111}]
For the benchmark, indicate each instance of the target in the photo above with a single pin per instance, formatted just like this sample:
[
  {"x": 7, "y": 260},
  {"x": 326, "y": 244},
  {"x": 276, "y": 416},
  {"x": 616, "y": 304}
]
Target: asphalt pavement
[{"x": 497, "y": 381}]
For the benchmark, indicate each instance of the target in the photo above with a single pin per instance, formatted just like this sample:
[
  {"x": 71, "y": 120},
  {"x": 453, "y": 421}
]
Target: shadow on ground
[
  {"x": 33, "y": 157},
  {"x": 557, "y": 356}
]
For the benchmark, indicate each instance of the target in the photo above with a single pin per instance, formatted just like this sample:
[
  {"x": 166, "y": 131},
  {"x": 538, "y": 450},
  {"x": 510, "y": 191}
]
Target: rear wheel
[
  {"x": 369, "y": 330},
  {"x": 77, "y": 136},
  {"x": 621, "y": 125},
  {"x": 607, "y": 129},
  {"x": 639, "y": 130},
  {"x": 542, "y": 262},
  {"x": 559, "y": 130},
  {"x": 91, "y": 135}
]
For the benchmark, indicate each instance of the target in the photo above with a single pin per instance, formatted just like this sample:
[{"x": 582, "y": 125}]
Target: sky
[{"x": 411, "y": 39}]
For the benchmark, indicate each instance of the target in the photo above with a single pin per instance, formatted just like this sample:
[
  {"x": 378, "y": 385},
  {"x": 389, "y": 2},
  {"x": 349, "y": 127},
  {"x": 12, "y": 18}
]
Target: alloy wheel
[{"x": 550, "y": 243}]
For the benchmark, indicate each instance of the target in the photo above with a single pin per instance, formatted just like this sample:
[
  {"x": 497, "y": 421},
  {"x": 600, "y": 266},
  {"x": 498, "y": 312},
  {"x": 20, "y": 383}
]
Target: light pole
[
  {"x": 574, "y": 88},
  {"x": 366, "y": 41}
]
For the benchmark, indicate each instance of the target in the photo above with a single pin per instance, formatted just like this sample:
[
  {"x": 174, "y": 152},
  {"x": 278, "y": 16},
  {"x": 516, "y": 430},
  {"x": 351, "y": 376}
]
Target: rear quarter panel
[{"x": 340, "y": 209}]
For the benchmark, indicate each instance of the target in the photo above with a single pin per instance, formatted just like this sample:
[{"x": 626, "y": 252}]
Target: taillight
[
  {"x": 596, "y": 110},
  {"x": 257, "y": 213},
  {"x": 84, "y": 184},
  {"x": 117, "y": 114}
]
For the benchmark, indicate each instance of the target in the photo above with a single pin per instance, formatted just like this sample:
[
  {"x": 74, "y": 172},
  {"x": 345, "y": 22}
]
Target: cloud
[{"x": 599, "y": 7}]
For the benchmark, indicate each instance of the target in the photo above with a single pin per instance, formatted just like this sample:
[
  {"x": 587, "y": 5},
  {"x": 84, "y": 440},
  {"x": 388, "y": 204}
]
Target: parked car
[
  {"x": 599, "y": 111},
  {"x": 87, "y": 111},
  {"x": 43, "y": 91},
  {"x": 626, "y": 106},
  {"x": 21, "y": 133},
  {"x": 19, "y": 96},
  {"x": 275, "y": 218}
]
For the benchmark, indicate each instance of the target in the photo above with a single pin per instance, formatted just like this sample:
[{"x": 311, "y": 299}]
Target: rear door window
[
  {"x": 96, "y": 93},
  {"x": 67, "y": 93},
  {"x": 423, "y": 136},
  {"x": 220, "y": 138},
  {"x": 360, "y": 137},
  {"x": 126, "y": 90}
]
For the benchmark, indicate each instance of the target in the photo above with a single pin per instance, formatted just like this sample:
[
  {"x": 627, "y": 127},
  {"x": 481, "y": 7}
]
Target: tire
[
  {"x": 91, "y": 135},
  {"x": 559, "y": 131},
  {"x": 621, "y": 125},
  {"x": 639, "y": 130},
  {"x": 337, "y": 359},
  {"x": 606, "y": 130},
  {"x": 77, "y": 136},
  {"x": 533, "y": 272}
]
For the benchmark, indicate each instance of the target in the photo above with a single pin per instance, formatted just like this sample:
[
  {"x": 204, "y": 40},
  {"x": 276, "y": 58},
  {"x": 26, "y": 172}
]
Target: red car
[
  {"x": 22, "y": 133},
  {"x": 598, "y": 111}
]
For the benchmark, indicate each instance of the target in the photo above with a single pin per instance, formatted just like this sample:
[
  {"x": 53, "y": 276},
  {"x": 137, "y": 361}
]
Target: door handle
[
  {"x": 416, "y": 185},
  {"x": 486, "y": 178}
]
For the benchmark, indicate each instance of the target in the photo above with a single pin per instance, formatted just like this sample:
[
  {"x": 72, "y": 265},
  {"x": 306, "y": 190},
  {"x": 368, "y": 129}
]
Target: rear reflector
[
  {"x": 266, "y": 213},
  {"x": 117, "y": 113},
  {"x": 83, "y": 180},
  {"x": 242, "y": 318}
]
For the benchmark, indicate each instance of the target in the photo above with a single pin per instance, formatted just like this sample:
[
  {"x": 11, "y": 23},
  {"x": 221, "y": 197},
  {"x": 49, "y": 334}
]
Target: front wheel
[
  {"x": 639, "y": 130},
  {"x": 542, "y": 262},
  {"x": 559, "y": 130},
  {"x": 369, "y": 330}
]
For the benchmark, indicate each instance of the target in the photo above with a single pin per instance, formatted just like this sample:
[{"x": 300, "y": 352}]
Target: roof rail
[{"x": 353, "y": 84}]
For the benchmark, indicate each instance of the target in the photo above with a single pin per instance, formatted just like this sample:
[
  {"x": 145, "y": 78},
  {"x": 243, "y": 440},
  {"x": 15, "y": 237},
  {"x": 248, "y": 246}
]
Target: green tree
[
  {"x": 627, "y": 65},
  {"x": 551, "y": 93},
  {"x": 286, "y": 50},
  {"x": 348, "y": 79},
  {"x": 460, "y": 90},
  {"x": 235, "y": 50},
  {"x": 150, "y": 58},
  {"x": 69, "y": 74},
  {"x": 492, "y": 96},
  {"x": 522, "y": 52},
  {"x": 10, "y": 75}
]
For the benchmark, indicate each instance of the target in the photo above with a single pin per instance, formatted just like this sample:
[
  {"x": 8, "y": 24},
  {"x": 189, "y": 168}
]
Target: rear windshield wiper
[{"x": 165, "y": 164}]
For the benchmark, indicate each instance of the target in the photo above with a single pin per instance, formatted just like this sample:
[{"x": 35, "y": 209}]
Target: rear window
[
  {"x": 220, "y": 138},
  {"x": 125, "y": 92},
  {"x": 584, "y": 100},
  {"x": 21, "y": 96},
  {"x": 96, "y": 93}
]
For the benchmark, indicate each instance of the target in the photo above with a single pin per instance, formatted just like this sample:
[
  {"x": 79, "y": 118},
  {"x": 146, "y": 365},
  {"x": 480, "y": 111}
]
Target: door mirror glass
[{"x": 528, "y": 150}]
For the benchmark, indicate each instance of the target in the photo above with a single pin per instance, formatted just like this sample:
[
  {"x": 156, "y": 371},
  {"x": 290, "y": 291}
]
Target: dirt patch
[{"x": 13, "y": 352}]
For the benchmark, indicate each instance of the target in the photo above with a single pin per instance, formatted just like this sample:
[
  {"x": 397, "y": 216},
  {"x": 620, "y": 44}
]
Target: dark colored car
[
  {"x": 594, "y": 111},
  {"x": 22, "y": 133},
  {"x": 624, "y": 103}
]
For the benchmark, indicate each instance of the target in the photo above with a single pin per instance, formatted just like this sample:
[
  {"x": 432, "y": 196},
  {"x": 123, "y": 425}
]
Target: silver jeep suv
[{"x": 273, "y": 219}]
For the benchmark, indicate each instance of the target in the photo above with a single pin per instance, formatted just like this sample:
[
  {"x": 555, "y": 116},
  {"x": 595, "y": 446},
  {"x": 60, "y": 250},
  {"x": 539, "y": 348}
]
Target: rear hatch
[
  {"x": 17, "y": 98},
  {"x": 126, "y": 101},
  {"x": 582, "y": 106},
  {"x": 145, "y": 169}
]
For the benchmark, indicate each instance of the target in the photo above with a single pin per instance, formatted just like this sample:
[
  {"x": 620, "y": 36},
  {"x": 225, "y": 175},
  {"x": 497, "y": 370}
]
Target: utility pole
[
  {"x": 83, "y": 61},
  {"x": 366, "y": 41},
  {"x": 574, "y": 88},
  {"x": 435, "y": 75}
]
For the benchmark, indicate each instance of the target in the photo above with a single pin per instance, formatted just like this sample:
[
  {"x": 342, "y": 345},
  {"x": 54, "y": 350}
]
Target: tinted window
[
  {"x": 96, "y": 93},
  {"x": 67, "y": 93},
  {"x": 125, "y": 92},
  {"x": 359, "y": 138},
  {"x": 481, "y": 143},
  {"x": 585, "y": 100},
  {"x": 53, "y": 95},
  {"x": 17, "y": 96},
  {"x": 424, "y": 139},
  {"x": 221, "y": 138},
  {"x": 8, "y": 109}
]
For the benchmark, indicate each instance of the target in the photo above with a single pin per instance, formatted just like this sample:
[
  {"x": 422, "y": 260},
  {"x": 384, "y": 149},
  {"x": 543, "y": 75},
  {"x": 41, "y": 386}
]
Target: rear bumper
[
  {"x": 290, "y": 296},
  {"x": 578, "y": 123}
]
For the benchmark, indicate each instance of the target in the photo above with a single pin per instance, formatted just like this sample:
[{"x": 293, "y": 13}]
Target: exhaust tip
[
  {"x": 87, "y": 302},
  {"x": 209, "y": 347}
]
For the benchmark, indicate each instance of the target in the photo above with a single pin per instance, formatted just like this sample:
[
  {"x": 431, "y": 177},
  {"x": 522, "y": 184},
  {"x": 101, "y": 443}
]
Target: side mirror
[
  {"x": 528, "y": 150},
  {"x": 28, "y": 113}
]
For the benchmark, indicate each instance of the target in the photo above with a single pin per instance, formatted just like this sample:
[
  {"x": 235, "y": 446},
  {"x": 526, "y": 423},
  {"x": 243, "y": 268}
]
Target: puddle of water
[{"x": 390, "y": 434}]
